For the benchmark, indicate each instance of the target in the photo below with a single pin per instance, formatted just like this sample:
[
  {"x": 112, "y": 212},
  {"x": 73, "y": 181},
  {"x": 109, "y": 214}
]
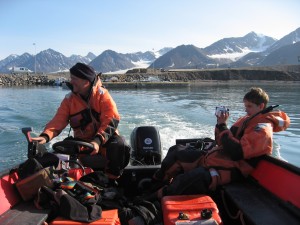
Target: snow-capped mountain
[
  {"x": 286, "y": 55},
  {"x": 250, "y": 50},
  {"x": 8, "y": 60},
  {"x": 259, "y": 58},
  {"x": 14, "y": 60},
  {"x": 184, "y": 56},
  {"x": 46, "y": 61},
  {"x": 289, "y": 39},
  {"x": 235, "y": 48},
  {"x": 84, "y": 59},
  {"x": 110, "y": 59}
]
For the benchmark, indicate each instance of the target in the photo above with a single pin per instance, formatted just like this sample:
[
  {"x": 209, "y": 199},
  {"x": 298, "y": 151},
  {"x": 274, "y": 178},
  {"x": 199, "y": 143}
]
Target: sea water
[{"x": 186, "y": 112}]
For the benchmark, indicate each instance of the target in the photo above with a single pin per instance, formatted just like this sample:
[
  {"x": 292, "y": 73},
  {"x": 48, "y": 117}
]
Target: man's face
[
  {"x": 251, "y": 108},
  {"x": 80, "y": 86}
]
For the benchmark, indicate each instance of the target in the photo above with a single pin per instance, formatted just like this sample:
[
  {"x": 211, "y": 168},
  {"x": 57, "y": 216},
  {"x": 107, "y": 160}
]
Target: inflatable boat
[{"x": 270, "y": 195}]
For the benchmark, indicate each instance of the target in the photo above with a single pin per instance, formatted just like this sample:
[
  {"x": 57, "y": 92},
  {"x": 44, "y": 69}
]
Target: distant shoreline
[
  {"x": 178, "y": 78},
  {"x": 194, "y": 83},
  {"x": 145, "y": 84},
  {"x": 238, "y": 82}
]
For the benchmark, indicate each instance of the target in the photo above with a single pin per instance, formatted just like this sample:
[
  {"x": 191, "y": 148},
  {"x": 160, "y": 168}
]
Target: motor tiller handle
[
  {"x": 32, "y": 145},
  {"x": 26, "y": 131}
]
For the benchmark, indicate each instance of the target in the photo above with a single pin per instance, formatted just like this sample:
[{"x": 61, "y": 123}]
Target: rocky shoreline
[
  {"x": 168, "y": 78},
  {"x": 25, "y": 80}
]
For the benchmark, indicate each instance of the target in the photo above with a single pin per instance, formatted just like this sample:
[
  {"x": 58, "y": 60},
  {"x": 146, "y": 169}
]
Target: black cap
[{"x": 83, "y": 71}]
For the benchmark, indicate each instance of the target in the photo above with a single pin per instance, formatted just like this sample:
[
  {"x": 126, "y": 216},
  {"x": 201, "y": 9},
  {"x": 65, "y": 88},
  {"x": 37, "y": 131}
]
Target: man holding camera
[{"x": 192, "y": 171}]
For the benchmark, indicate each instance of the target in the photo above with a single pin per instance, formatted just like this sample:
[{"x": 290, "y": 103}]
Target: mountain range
[{"x": 251, "y": 50}]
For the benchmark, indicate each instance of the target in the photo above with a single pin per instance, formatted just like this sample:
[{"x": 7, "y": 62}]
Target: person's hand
[
  {"x": 40, "y": 140},
  {"x": 96, "y": 148},
  {"x": 215, "y": 178},
  {"x": 222, "y": 118}
]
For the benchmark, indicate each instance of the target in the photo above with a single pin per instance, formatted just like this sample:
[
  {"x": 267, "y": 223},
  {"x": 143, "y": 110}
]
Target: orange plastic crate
[
  {"x": 109, "y": 217},
  {"x": 191, "y": 206}
]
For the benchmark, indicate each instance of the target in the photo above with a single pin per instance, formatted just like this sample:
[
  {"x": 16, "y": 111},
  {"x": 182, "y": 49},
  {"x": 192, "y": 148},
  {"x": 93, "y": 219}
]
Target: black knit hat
[{"x": 83, "y": 71}]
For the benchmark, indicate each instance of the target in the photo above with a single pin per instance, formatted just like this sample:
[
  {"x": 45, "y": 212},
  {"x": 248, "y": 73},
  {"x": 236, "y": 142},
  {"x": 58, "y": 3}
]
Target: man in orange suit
[{"x": 94, "y": 118}]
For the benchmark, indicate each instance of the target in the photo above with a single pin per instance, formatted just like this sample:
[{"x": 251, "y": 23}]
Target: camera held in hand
[{"x": 220, "y": 110}]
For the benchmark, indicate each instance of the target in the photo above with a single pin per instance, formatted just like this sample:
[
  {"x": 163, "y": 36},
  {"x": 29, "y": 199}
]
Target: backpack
[
  {"x": 130, "y": 212},
  {"x": 142, "y": 212}
]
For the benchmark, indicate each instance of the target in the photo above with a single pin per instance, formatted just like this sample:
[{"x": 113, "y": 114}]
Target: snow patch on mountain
[
  {"x": 142, "y": 64},
  {"x": 157, "y": 54},
  {"x": 138, "y": 64},
  {"x": 232, "y": 56},
  {"x": 297, "y": 38},
  {"x": 237, "y": 55}
]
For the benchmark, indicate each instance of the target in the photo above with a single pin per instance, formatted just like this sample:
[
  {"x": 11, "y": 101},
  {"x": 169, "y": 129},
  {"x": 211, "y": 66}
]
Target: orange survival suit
[
  {"x": 97, "y": 117},
  {"x": 237, "y": 148},
  {"x": 234, "y": 155}
]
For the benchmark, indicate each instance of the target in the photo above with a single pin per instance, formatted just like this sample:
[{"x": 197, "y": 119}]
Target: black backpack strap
[{"x": 148, "y": 212}]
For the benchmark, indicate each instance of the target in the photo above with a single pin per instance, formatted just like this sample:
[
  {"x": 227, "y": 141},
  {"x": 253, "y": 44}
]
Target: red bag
[{"x": 77, "y": 173}]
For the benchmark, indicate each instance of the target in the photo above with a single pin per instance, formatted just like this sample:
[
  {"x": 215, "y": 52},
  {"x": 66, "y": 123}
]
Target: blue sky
[{"x": 125, "y": 26}]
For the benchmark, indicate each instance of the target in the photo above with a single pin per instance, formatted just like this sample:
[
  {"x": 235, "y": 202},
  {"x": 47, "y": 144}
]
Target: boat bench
[
  {"x": 13, "y": 210},
  {"x": 24, "y": 213},
  {"x": 109, "y": 217},
  {"x": 271, "y": 196}
]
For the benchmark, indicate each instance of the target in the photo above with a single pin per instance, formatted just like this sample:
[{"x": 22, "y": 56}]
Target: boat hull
[{"x": 269, "y": 196}]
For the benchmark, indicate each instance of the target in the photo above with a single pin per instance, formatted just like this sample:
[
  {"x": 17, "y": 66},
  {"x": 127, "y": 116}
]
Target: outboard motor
[{"x": 146, "y": 146}]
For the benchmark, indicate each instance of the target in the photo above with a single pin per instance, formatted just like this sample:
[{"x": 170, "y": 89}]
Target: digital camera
[{"x": 220, "y": 110}]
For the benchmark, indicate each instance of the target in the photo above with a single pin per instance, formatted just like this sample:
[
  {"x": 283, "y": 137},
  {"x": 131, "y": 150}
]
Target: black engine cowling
[{"x": 146, "y": 146}]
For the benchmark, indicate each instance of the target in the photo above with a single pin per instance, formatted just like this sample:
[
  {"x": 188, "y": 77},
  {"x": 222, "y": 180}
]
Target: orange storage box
[
  {"x": 109, "y": 217},
  {"x": 189, "y": 209}
]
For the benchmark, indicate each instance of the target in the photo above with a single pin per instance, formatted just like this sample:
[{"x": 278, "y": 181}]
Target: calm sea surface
[{"x": 186, "y": 112}]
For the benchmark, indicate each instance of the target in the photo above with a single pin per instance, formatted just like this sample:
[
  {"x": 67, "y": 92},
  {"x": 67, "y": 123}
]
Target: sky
[{"x": 127, "y": 26}]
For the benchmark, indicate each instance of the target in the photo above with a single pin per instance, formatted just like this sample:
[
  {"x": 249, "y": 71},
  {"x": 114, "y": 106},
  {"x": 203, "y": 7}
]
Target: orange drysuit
[
  {"x": 237, "y": 148},
  {"x": 97, "y": 117},
  {"x": 236, "y": 151}
]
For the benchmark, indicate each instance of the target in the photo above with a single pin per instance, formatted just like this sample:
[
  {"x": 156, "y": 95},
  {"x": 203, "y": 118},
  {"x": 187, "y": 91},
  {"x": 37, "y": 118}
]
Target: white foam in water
[
  {"x": 170, "y": 127},
  {"x": 177, "y": 113}
]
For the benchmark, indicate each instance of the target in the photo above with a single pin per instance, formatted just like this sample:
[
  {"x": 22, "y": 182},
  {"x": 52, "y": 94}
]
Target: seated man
[
  {"x": 251, "y": 136},
  {"x": 94, "y": 118}
]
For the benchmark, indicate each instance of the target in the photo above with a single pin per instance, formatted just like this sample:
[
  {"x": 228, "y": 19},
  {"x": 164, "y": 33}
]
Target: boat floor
[{"x": 250, "y": 202}]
